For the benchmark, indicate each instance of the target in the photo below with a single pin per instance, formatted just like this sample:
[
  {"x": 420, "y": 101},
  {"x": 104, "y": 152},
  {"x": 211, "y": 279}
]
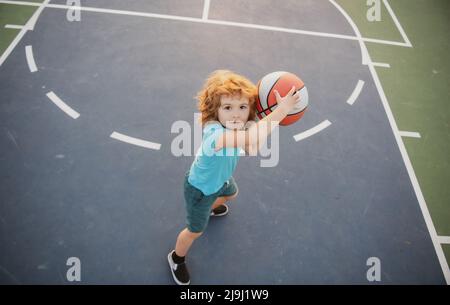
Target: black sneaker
[
  {"x": 221, "y": 210},
  {"x": 179, "y": 271}
]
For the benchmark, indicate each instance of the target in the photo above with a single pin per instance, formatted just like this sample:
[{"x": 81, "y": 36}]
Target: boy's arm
[{"x": 253, "y": 138}]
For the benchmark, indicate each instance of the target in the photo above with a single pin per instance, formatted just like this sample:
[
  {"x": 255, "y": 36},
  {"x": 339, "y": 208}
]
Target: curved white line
[
  {"x": 351, "y": 100},
  {"x": 135, "y": 141},
  {"x": 32, "y": 22},
  {"x": 365, "y": 54},
  {"x": 312, "y": 131},
  {"x": 63, "y": 106},
  {"x": 30, "y": 59}
]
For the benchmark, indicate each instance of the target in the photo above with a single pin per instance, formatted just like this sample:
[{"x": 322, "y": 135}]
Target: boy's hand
[{"x": 289, "y": 101}]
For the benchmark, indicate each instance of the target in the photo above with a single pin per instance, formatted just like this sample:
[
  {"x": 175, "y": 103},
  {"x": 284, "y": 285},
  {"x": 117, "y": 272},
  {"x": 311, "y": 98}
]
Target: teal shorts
[{"x": 198, "y": 206}]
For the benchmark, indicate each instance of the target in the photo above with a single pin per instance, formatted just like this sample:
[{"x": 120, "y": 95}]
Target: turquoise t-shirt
[{"x": 211, "y": 169}]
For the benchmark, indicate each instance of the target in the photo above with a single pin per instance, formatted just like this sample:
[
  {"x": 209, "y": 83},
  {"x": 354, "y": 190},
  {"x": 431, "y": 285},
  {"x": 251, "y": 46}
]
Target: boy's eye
[
  {"x": 227, "y": 107},
  {"x": 243, "y": 107}
]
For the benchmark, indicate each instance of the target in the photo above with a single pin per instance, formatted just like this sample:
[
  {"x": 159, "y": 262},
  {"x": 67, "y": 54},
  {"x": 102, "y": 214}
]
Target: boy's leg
[
  {"x": 184, "y": 241},
  {"x": 219, "y": 201},
  {"x": 176, "y": 258}
]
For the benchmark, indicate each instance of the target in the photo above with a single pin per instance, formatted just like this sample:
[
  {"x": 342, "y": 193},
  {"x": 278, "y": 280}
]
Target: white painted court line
[
  {"x": 13, "y": 26},
  {"x": 409, "y": 134},
  {"x": 381, "y": 64},
  {"x": 63, "y": 106},
  {"x": 409, "y": 168},
  {"x": 209, "y": 21},
  {"x": 28, "y": 26},
  {"x": 351, "y": 100},
  {"x": 12, "y": 45},
  {"x": 21, "y": 3},
  {"x": 135, "y": 141},
  {"x": 32, "y": 22},
  {"x": 397, "y": 23},
  {"x": 30, "y": 59},
  {"x": 205, "y": 9},
  {"x": 312, "y": 131},
  {"x": 387, "y": 42},
  {"x": 444, "y": 239}
]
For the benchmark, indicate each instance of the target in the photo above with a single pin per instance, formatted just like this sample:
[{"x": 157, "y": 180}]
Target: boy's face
[{"x": 233, "y": 111}]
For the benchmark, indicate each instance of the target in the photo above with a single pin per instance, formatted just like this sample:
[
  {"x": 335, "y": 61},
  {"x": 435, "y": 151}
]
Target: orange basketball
[{"x": 281, "y": 81}]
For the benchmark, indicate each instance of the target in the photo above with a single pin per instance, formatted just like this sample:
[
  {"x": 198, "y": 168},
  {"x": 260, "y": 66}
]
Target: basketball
[{"x": 281, "y": 81}]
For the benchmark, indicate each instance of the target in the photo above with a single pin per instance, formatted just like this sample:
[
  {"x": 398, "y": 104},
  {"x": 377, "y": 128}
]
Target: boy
[{"x": 227, "y": 106}]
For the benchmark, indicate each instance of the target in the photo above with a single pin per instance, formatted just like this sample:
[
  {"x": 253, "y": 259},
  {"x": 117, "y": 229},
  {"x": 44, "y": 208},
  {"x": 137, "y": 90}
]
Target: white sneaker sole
[
  {"x": 171, "y": 263},
  {"x": 222, "y": 214}
]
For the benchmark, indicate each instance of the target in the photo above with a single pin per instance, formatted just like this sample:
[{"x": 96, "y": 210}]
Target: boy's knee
[{"x": 193, "y": 235}]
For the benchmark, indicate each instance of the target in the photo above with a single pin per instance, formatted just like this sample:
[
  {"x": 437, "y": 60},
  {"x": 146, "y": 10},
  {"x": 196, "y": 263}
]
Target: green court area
[{"x": 417, "y": 87}]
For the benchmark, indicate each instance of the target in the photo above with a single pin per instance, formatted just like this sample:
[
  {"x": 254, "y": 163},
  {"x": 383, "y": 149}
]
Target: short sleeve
[{"x": 210, "y": 134}]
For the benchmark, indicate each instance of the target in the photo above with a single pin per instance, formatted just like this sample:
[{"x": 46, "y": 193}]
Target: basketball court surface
[{"x": 87, "y": 168}]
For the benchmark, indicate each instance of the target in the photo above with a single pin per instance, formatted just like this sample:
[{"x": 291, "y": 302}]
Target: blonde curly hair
[{"x": 224, "y": 82}]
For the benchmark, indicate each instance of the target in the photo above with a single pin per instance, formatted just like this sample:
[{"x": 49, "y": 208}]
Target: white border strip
[
  {"x": 209, "y": 21},
  {"x": 381, "y": 64},
  {"x": 63, "y": 106},
  {"x": 312, "y": 131},
  {"x": 351, "y": 100},
  {"x": 444, "y": 239},
  {"x": 397, "y": 23},
  {"x": 135, "y": 141},
  {"x": 408, "y": 165},
  {"x": 30, "y": 59},
  {"x": 205, "y": 10},
  {"x": 13, "y": 26},
  {"x": 409, "y": 134}
]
